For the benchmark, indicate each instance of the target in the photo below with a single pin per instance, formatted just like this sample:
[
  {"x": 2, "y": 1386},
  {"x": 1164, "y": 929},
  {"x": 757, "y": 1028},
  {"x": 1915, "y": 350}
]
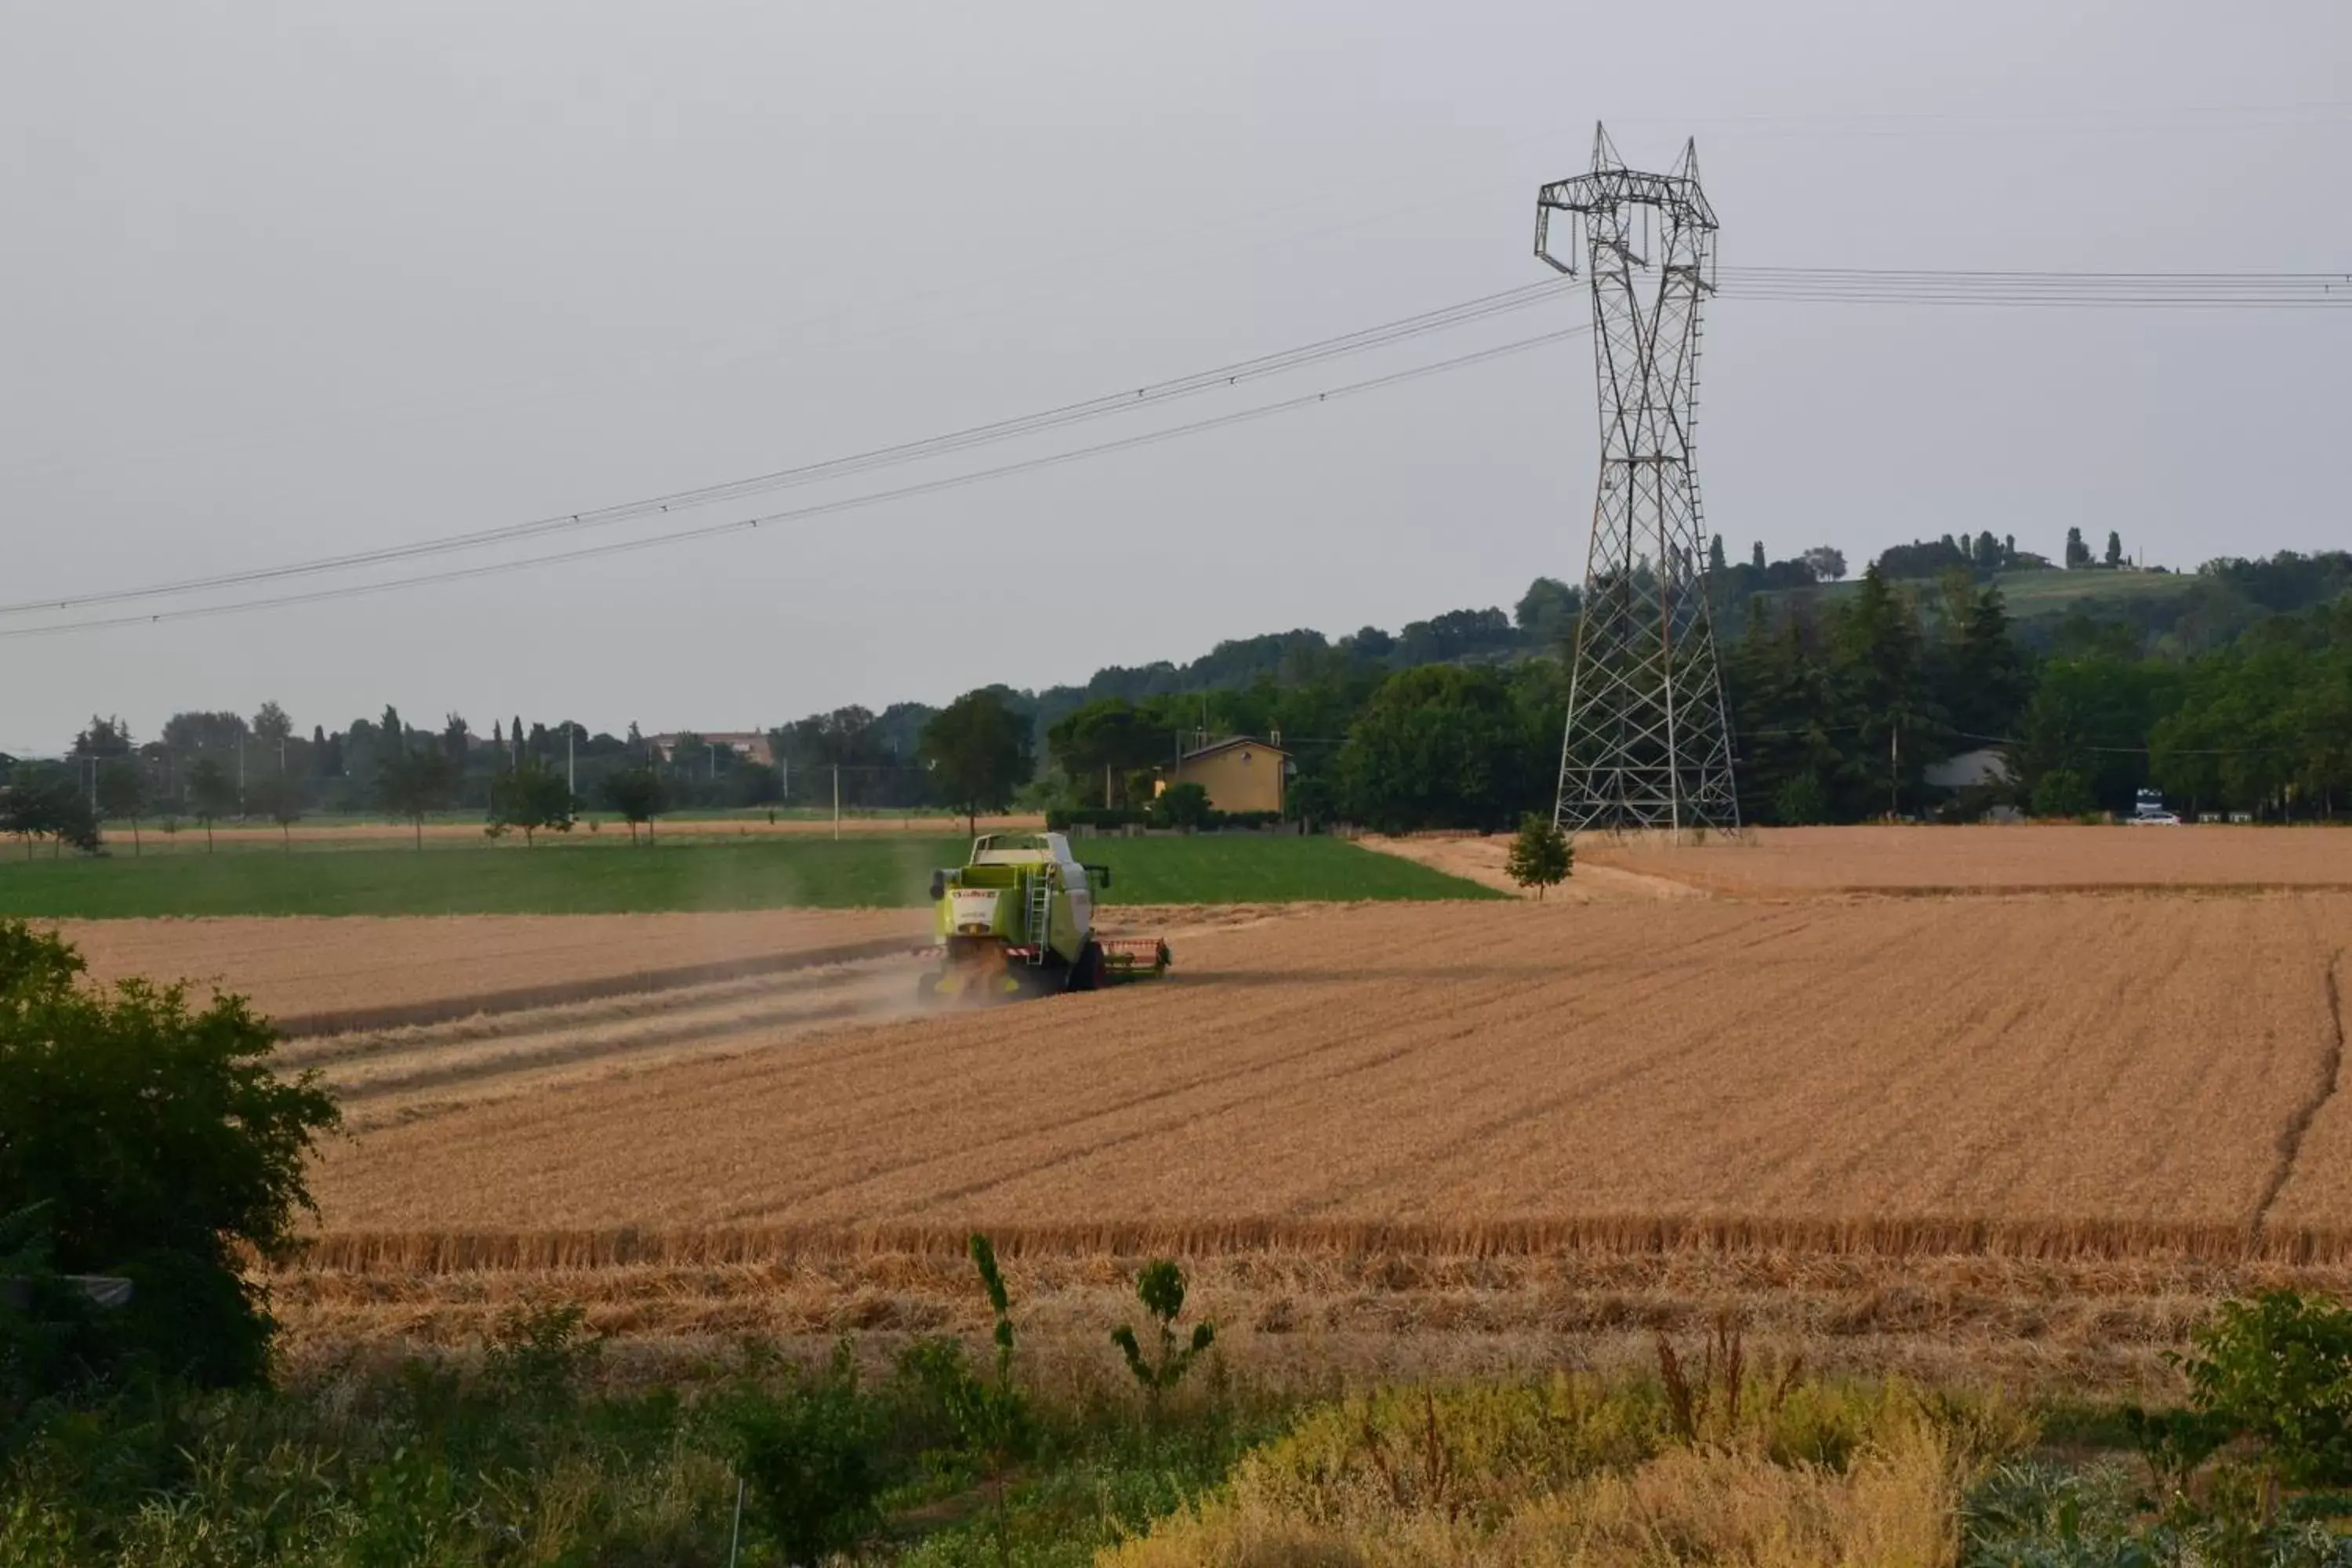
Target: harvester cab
[{"x": 1017, "y": 920}]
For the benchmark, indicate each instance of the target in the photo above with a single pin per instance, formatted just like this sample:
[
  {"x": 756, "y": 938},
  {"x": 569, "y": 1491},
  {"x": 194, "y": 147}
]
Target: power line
[
  {"x": 821, "y": 508},
  {"x": 1446, "y": 318},
  {"x": 1837, "y": 285},
  {"x": 2113, "y": 291}
]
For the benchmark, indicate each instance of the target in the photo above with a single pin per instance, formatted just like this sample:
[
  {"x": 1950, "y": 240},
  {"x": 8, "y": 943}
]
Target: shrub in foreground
[{"x": 144, "y": 1138}]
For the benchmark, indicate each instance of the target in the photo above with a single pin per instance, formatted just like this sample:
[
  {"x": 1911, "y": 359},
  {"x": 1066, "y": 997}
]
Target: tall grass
[{"x": 1740, "y": 1466}]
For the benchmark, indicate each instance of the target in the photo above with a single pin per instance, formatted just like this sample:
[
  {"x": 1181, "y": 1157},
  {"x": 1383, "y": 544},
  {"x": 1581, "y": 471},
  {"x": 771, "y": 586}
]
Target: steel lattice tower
[{"x": 1648, "y": 743}]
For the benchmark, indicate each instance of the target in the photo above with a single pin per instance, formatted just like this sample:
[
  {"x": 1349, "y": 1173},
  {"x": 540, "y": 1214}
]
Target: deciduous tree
[
  {"x": 1437, "y": 746},
  {"x": 271, "y": 725},
  {"x": 212, "y": 794},
  {"x": 1540, "y": 855},
  {"x": 414, "y": 782},
  {"x": 979, "y": 752},
  {"x": 531, "y": 796},
  {"x": 279, "y": 798},
  {"x": 122, "y": 793},
  {"x": 636, "y": 794}
]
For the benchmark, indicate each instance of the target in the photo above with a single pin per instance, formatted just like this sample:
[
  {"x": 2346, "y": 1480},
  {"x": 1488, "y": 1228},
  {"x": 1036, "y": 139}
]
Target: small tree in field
[
  {"x": 636, "y": 794},
  {"x": 279, "y": 799},
  {"x": 1540, "y": 855},
  {"x": 413, "y": 784},
  {"x": 212, "y": 794},
  {"x": 1161, "y": 1288},
  {"x": 122, "y": 795},
  {"x": 532, "y": 796}
]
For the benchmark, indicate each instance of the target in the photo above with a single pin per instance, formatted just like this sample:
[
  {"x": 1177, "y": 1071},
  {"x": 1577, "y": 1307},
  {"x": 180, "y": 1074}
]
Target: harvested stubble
[
  {"x": 1298, "y": 1316},
  {"x": 317, "y": 976},
  {"x": 379, "y": 1075},
  {"x": 2036, "y": 1075},
  {"x": 1988, "y": 860}
]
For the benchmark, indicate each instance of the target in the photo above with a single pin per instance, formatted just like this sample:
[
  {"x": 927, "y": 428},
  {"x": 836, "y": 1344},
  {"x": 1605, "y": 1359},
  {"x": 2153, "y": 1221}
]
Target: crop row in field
[{"x": 875, "y": 870}]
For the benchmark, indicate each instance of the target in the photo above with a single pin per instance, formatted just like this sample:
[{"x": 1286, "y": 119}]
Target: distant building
[
  {"x": 751, "y": 746},
  {"x": 1240, "y": 773},
  {"x": 1985, "y": 766}
]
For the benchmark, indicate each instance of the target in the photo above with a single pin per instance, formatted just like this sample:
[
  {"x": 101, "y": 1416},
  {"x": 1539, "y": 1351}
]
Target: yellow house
[{"x": 1241, "y": 773}]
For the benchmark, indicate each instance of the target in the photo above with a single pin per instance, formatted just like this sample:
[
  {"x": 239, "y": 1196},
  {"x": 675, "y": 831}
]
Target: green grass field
[{"x": 612, "y": 877}]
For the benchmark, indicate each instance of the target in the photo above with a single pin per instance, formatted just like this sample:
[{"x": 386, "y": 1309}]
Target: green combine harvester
[{"x": 1018, "y": 919}]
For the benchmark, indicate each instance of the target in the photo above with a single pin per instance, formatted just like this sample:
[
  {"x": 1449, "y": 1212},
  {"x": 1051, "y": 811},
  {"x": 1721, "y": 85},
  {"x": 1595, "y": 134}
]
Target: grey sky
[{"x": 288, "y": 280}]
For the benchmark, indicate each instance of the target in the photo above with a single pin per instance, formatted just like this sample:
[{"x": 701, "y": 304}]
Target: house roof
[{"x": 1229, "y": 742}]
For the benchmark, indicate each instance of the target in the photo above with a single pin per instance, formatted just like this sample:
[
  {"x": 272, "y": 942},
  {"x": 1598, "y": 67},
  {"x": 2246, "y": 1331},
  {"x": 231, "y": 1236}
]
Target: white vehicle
[{"x": 2153, "y": 819}]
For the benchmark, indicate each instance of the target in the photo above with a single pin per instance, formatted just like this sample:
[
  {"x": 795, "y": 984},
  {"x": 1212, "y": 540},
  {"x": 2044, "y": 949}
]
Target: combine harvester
[{"x": 1018, "y": 919}]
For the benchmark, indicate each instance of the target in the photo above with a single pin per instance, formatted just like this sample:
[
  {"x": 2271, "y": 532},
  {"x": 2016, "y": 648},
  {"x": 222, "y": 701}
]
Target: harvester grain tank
[{"x": 1017, "y": 919}]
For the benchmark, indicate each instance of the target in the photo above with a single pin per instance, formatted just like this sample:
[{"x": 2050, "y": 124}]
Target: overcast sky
[{"x": 293, "y": 279}]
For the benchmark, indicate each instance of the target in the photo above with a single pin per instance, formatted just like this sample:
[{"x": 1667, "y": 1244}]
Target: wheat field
[
  {"x": 2030, "y": 1137},
  {"x": 2131, "y": 1062},
  {"x": 1925, "y": 861}
]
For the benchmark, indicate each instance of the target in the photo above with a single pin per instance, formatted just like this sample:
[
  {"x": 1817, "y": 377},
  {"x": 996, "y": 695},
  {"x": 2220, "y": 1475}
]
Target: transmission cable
[
  {"x": 1362, "y": 340},
  {"x": 824, "y": 508},
  {"x": 1834, "y": 285},
  {"x": 2127, "y": 290}
]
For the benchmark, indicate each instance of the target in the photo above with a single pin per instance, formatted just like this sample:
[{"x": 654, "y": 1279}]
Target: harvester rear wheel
[{"x": 1086, "y": 974}]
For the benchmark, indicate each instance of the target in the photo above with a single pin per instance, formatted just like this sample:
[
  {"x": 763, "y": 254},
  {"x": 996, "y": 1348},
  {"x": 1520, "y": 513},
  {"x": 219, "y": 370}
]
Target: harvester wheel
[{"x": 1086, "y": 974}]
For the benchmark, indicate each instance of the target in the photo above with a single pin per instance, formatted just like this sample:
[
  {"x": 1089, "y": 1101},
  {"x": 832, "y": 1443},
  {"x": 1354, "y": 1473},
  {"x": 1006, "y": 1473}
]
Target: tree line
[{"x": 2228, "y": 695}]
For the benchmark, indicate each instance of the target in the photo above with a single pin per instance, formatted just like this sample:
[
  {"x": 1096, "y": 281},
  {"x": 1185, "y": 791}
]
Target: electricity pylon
[{"x": 1648, "y": 743}]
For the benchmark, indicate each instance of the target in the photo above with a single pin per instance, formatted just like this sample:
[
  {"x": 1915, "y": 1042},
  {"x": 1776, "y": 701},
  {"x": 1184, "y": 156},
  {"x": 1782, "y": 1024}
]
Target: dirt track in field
[
  {"x": 318, "y": 975},
  {"x": 1929, "y": 861}
]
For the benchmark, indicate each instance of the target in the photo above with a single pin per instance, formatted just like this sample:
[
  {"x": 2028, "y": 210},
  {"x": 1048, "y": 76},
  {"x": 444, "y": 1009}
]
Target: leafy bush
[
  {"x": 160, "y": 1146},
  {"x": 811, "y": 1458},
  {"x": 1800, "y": 802},
  {"x": 1182, "y": 806},
  {"x": 2062, "y": 792},
  {"x": 2278, "y": 1369}
]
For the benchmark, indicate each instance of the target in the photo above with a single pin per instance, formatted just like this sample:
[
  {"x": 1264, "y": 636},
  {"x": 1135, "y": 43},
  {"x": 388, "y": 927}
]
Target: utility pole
[
  {"x": 1894, "y": 771},
  {"x": 570, "y": 761},
  {"x": 836, "y": 803}
]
